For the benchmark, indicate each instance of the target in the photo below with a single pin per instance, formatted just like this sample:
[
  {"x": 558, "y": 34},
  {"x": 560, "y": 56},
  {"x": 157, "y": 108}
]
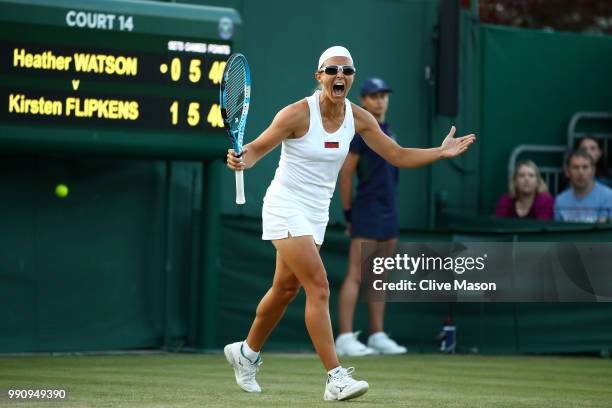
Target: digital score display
[
  {"x": 114, "y": 67},
  {"x": 192, "y": 76}
]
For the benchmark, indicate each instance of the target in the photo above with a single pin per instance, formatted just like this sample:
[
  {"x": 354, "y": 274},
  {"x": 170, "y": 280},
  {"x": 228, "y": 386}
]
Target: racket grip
[{"x": 240, "y": 187}]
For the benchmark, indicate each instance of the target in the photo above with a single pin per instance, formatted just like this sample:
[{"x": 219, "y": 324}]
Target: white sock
[
  {"x": 374, "y": 336},
  {"x": 249, "y": 353},
  {"x": 334, "y": 370}
]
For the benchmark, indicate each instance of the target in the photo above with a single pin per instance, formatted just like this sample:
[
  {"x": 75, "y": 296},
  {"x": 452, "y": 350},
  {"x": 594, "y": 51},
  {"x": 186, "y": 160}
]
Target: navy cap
[{"x": 374, "y": 85}]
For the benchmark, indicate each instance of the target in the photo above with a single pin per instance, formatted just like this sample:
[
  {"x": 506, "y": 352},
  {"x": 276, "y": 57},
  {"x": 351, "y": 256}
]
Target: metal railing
[{"x": 573, "y": 135}]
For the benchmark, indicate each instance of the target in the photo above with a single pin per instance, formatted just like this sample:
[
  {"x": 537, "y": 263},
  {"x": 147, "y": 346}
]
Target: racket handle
[{"x": 239, "y": 187}]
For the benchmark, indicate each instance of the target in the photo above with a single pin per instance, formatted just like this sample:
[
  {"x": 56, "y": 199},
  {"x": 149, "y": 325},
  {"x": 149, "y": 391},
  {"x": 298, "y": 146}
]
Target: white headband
[{"x": 335, "y": 51}]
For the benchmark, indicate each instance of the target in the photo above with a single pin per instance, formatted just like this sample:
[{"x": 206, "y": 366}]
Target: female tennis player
[{"x": 315, "y": 133}]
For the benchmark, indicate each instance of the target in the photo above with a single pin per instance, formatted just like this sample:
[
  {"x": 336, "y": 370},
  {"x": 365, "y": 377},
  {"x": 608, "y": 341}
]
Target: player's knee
[
  {"x": 287, "y": 293},
  {"x": 319, "y": 291}
]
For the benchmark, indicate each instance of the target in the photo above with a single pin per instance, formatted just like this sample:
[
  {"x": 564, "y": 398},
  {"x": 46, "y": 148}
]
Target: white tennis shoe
[
  {"x": 383, "y": 344},
  {"x": 244, "y": 369},
  {"x": 348, "y": 345},
  {"x": 342, "y": 386}
]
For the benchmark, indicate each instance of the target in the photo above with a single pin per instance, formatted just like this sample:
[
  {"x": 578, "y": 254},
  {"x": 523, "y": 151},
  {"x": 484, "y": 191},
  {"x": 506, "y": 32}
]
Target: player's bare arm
[
  {"x": 346, "y": 179},
  {"x": 349, "y": 167},
  {"x": 289, "y": 122},
  {"x": 404, "y": 157}
]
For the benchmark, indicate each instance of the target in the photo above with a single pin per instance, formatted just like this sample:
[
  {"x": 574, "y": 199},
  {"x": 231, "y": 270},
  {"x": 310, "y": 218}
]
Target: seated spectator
[
  {"x": 585, "y": 200},
  {"x": 592, "y": 147},
  {"x": 527, "y": 195}
]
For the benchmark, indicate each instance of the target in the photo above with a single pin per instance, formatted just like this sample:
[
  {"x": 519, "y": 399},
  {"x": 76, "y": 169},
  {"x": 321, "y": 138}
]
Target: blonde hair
[{"x": 542, "y": 187}]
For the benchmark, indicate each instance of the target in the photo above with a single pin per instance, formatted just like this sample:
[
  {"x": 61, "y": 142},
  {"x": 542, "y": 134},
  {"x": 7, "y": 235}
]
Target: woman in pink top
[{"x": 527, "y": 195}]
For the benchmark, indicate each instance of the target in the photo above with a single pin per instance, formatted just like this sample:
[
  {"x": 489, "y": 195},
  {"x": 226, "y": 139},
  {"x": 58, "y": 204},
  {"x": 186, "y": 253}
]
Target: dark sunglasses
[{"x": 347, "y": 70}]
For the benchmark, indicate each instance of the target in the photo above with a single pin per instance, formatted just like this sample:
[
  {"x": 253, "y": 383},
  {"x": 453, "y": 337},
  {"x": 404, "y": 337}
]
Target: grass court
[{"x": 297, "y": 380}]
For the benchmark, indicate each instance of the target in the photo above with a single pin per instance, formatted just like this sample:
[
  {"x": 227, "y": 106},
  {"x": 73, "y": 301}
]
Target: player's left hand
[{"x": 452, "y": 147}]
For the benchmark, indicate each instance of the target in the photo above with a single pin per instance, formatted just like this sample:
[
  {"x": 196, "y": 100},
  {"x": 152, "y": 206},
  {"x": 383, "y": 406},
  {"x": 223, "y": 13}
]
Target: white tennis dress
[{"x": 297, "y": 201}]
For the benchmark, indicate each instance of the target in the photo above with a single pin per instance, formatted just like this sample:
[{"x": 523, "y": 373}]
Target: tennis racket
[{"x": 235, "y": 95}]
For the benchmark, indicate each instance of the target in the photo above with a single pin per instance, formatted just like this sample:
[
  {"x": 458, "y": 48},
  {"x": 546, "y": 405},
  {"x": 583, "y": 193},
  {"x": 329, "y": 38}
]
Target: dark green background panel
[
  {"x": 155, "y": 254},
  {"x": 488, "y": 328},
  {"x": 87, "y": 272}
]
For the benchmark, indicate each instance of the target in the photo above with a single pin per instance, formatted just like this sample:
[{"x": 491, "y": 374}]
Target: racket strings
[{"x": 235, "y": 90}]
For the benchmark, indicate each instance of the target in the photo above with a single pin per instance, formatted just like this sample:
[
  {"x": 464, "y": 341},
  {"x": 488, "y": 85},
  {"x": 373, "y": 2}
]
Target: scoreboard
[{"x": 112, "y": 76}]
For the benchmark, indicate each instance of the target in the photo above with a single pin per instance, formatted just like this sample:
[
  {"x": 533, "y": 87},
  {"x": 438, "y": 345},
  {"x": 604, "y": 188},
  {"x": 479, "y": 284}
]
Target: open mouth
[{"x": 338, "y": 89}]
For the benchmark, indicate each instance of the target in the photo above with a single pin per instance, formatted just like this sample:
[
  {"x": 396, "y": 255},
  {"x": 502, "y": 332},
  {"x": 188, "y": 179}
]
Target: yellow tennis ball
[{"x": 61, "y": 191}]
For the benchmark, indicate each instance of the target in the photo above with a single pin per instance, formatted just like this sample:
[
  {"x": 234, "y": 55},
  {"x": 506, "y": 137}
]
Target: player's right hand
[{"x": 233, "y": 161}]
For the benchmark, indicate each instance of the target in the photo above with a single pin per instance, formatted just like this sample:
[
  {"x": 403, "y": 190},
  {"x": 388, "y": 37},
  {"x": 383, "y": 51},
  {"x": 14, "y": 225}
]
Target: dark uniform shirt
[{"x": 374, "y": 209}]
